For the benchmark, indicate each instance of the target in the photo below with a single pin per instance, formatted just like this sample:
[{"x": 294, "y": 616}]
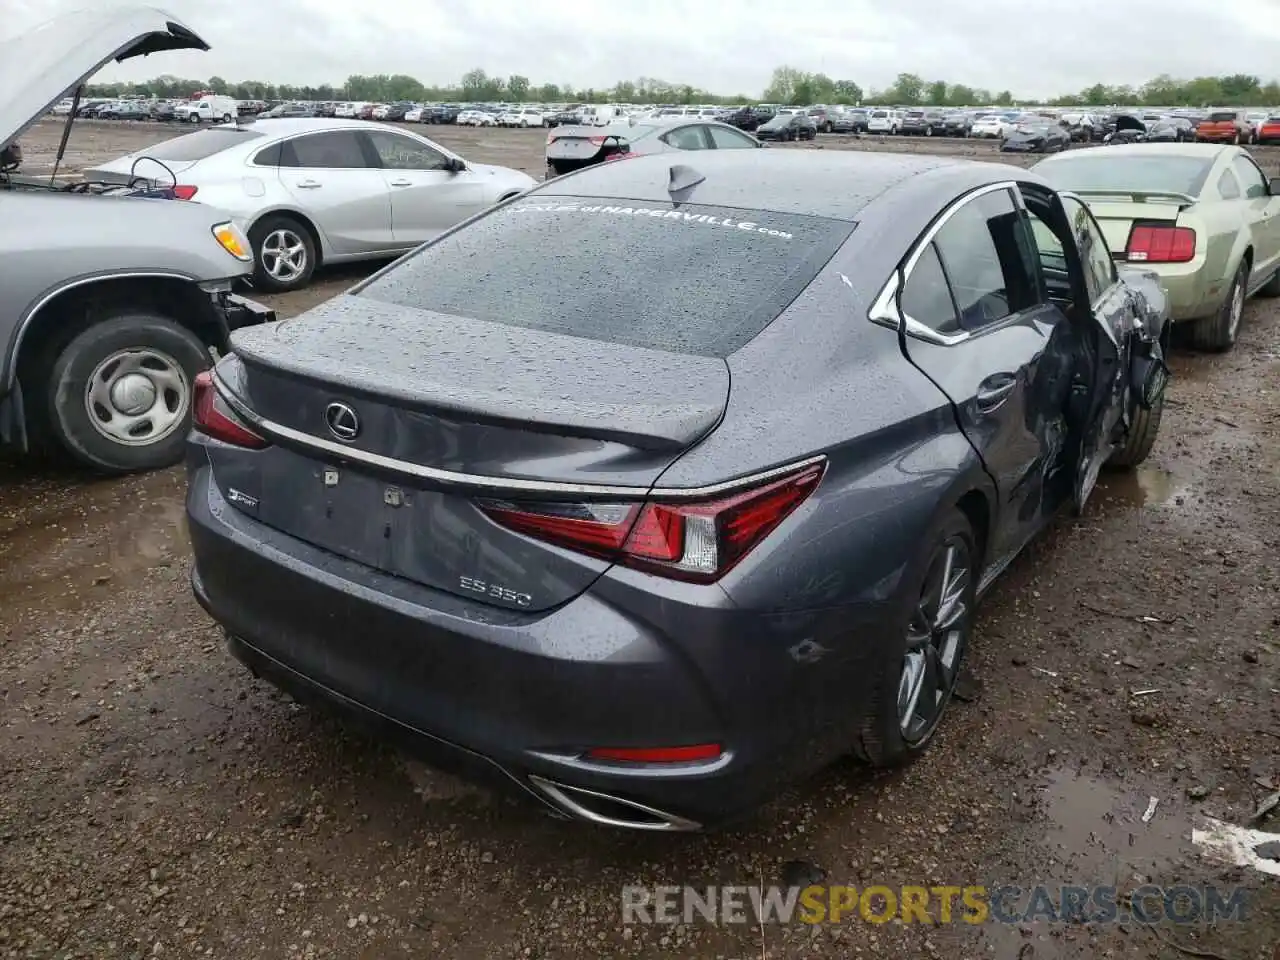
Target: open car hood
[
  {"x": 40, "y": 67},
  {"x": 1127, "y": 121}
]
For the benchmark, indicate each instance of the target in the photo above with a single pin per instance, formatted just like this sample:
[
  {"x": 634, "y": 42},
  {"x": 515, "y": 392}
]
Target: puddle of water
[
  {"x": 1146, "y": 486},
  {"x": 1097, "y": 835}
]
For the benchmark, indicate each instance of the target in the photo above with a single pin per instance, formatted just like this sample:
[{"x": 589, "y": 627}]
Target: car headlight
[{"x": 233, "y": 240}]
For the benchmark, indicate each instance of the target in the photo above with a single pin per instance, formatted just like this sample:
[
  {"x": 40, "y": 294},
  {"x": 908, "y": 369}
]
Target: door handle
[
  {"x": 309, "y": 184},
  {"x": 995, "y": 390},
  {"x": 402, "y": 183}
]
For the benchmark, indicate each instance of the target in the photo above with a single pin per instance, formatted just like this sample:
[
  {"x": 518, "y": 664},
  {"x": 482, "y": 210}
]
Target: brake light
[
  {"x": 620, "y": 156},
  {"x": 212, "y": 417},
  {"x": 185, "y": 191},
  {"x": 697, "y": 541},
  {"x": 1160, "y": 244},
  {"x": 597, "y": 141},
  {"x": 551, "y": 138}
]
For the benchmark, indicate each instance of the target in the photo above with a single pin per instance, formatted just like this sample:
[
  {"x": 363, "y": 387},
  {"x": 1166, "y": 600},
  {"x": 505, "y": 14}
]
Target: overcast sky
[{"x": 1032, "y": 47}]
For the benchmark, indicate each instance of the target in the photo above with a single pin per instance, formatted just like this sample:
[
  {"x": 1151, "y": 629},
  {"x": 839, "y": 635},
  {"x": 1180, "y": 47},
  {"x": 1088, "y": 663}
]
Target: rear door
[
  {"x": 426, "y": 198},
  {"x": 980, "y": 327},
  {"x": 330, "y": 177}
]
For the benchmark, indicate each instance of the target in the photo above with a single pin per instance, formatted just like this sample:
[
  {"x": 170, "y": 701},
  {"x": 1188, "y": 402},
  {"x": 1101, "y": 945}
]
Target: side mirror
[
  {"x": 454, "y": 165},
  {"x": 1273, "y": 187}
]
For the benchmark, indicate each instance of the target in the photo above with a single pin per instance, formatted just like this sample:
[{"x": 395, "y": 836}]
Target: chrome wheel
[
  {"x": 1237, "y": 307},
  {"x": 137, "y": 397},
  {"x": 936, "y": 639},
  {"x": 283, "y": 255}
]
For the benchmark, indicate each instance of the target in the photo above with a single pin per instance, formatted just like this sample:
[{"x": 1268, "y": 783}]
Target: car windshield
[
  {"x": 201, "y": 144},
  {"x": 1222, "y": 116},
  {"x": 879, "y": 114},
  {"x": 1128, "y": 174},
  {"x": 1036, "y": 128},
  {"x": 698, "y": 280}
]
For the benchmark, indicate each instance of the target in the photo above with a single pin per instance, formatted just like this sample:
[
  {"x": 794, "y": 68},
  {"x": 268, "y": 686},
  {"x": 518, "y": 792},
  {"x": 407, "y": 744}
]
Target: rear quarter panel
[{"x": 824, "y": 379}]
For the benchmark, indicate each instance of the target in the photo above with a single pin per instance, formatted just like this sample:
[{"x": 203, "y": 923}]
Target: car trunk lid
[
  {"x": 40, "y": 67},
  {"x": 387, "y": 431},
  {"x": 572, "y": 148},
  {"x": 1117, "y": 210}
]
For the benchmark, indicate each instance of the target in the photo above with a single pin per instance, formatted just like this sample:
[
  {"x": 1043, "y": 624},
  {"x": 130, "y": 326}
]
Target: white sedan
[
  {"x": 992, "y": 125},
  {"x": 320, "y": 191}
]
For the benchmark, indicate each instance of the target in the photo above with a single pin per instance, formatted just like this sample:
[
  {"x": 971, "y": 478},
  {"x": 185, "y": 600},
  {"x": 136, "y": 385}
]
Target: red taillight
[
  {"x": 1161, "y": 244},
  {"x": 620, "y": 156},
  {"x": 596, "y": 141},
  {"x": 551, "y": 138},
  {"x": 212, "y": 417},
  {"x": 698, "y": 541},
  {"x": 185, "y": 191},
  {"x": 695, "y": 753}
]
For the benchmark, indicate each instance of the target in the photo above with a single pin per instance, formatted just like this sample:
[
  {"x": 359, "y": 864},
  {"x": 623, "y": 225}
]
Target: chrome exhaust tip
[{"x": 609, "y": 811}]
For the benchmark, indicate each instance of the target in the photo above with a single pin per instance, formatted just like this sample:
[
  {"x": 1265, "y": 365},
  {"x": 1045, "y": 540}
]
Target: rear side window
[
  {"x": 339, "y": 150},
  {"x": 202, "y": 144},
  {"x": 981, "y": 248},
  {"x": 926, "y": 297},
  {"x": 694, "y": 279}
]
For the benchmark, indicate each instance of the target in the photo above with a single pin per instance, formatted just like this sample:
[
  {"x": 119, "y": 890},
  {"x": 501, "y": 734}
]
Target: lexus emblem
[{"x": 343, "y": 422}]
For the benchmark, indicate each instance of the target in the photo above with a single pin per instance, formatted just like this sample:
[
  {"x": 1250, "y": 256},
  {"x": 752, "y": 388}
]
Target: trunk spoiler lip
[
  {"x": 1140, "y": 196},
  {"x": 505, "y": 485}
]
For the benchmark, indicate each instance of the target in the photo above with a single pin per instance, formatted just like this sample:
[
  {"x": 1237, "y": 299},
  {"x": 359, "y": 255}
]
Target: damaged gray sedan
[{"x": 692, "y": 489}]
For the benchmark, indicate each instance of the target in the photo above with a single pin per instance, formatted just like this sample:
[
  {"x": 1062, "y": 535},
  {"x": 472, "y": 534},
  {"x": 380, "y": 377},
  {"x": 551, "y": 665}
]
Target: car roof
[
  {"x": 283, "y": 126},
  {"x": 832, "y": 183}
]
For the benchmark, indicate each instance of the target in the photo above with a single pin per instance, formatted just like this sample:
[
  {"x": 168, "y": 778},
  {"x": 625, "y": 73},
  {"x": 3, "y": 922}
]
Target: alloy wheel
[
  {"x": 137, "y": 397},
  {"x": 936, "y": 640},
  {"x": 283, "y": 255}
]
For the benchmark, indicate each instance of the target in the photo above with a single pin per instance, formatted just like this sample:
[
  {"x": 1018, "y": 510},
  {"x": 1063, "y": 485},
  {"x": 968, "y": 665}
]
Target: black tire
[
  {"x": 1142, "y": 437},
  {"x": 928, "y": 131},
  {"x": 82, "y": 361},
  {"x": 882, "y": 740},
  {"x": 264, "y": 230},
  {"x": 1217, "y": 333},
  {"x": 226, "y": 118}
]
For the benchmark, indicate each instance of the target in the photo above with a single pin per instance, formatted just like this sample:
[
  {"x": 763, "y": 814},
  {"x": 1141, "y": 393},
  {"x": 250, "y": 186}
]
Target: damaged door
[
  {"x": 980, "y": 327},
  {"x": 1112, "y": 311}
]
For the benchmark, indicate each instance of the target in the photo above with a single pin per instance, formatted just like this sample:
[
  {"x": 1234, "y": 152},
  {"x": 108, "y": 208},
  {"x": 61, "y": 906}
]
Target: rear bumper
[
  {"x": 1191, "y": 295},
  {"x": 514, "y": 699}
]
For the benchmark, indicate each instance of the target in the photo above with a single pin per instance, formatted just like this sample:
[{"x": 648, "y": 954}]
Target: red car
[
  {"x": 1225, "y": 126},
  {"x": 1269, "y": 130}
]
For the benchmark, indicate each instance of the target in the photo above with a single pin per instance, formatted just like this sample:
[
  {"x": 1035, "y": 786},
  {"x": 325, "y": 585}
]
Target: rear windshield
[
  {"x": 202, "y": 144},
  {"x": 1129, "y": 173},
  {"x": 695, "y": 279},
  {"x": 1221, "y": 116}
]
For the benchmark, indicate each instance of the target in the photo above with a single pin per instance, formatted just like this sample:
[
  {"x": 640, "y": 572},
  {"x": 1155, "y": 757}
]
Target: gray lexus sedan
[{"x": 663, "y": 485}]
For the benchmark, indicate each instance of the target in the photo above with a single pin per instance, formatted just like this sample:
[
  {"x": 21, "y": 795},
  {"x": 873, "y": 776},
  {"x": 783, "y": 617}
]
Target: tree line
[{"x": 787, "y": 85}]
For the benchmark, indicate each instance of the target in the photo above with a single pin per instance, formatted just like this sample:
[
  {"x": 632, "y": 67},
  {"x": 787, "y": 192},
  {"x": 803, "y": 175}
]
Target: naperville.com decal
[{"x": 655, "y": 212}]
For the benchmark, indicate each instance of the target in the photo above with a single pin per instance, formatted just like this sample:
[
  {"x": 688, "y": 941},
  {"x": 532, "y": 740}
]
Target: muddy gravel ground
[{"x": 157, "y": 801}]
